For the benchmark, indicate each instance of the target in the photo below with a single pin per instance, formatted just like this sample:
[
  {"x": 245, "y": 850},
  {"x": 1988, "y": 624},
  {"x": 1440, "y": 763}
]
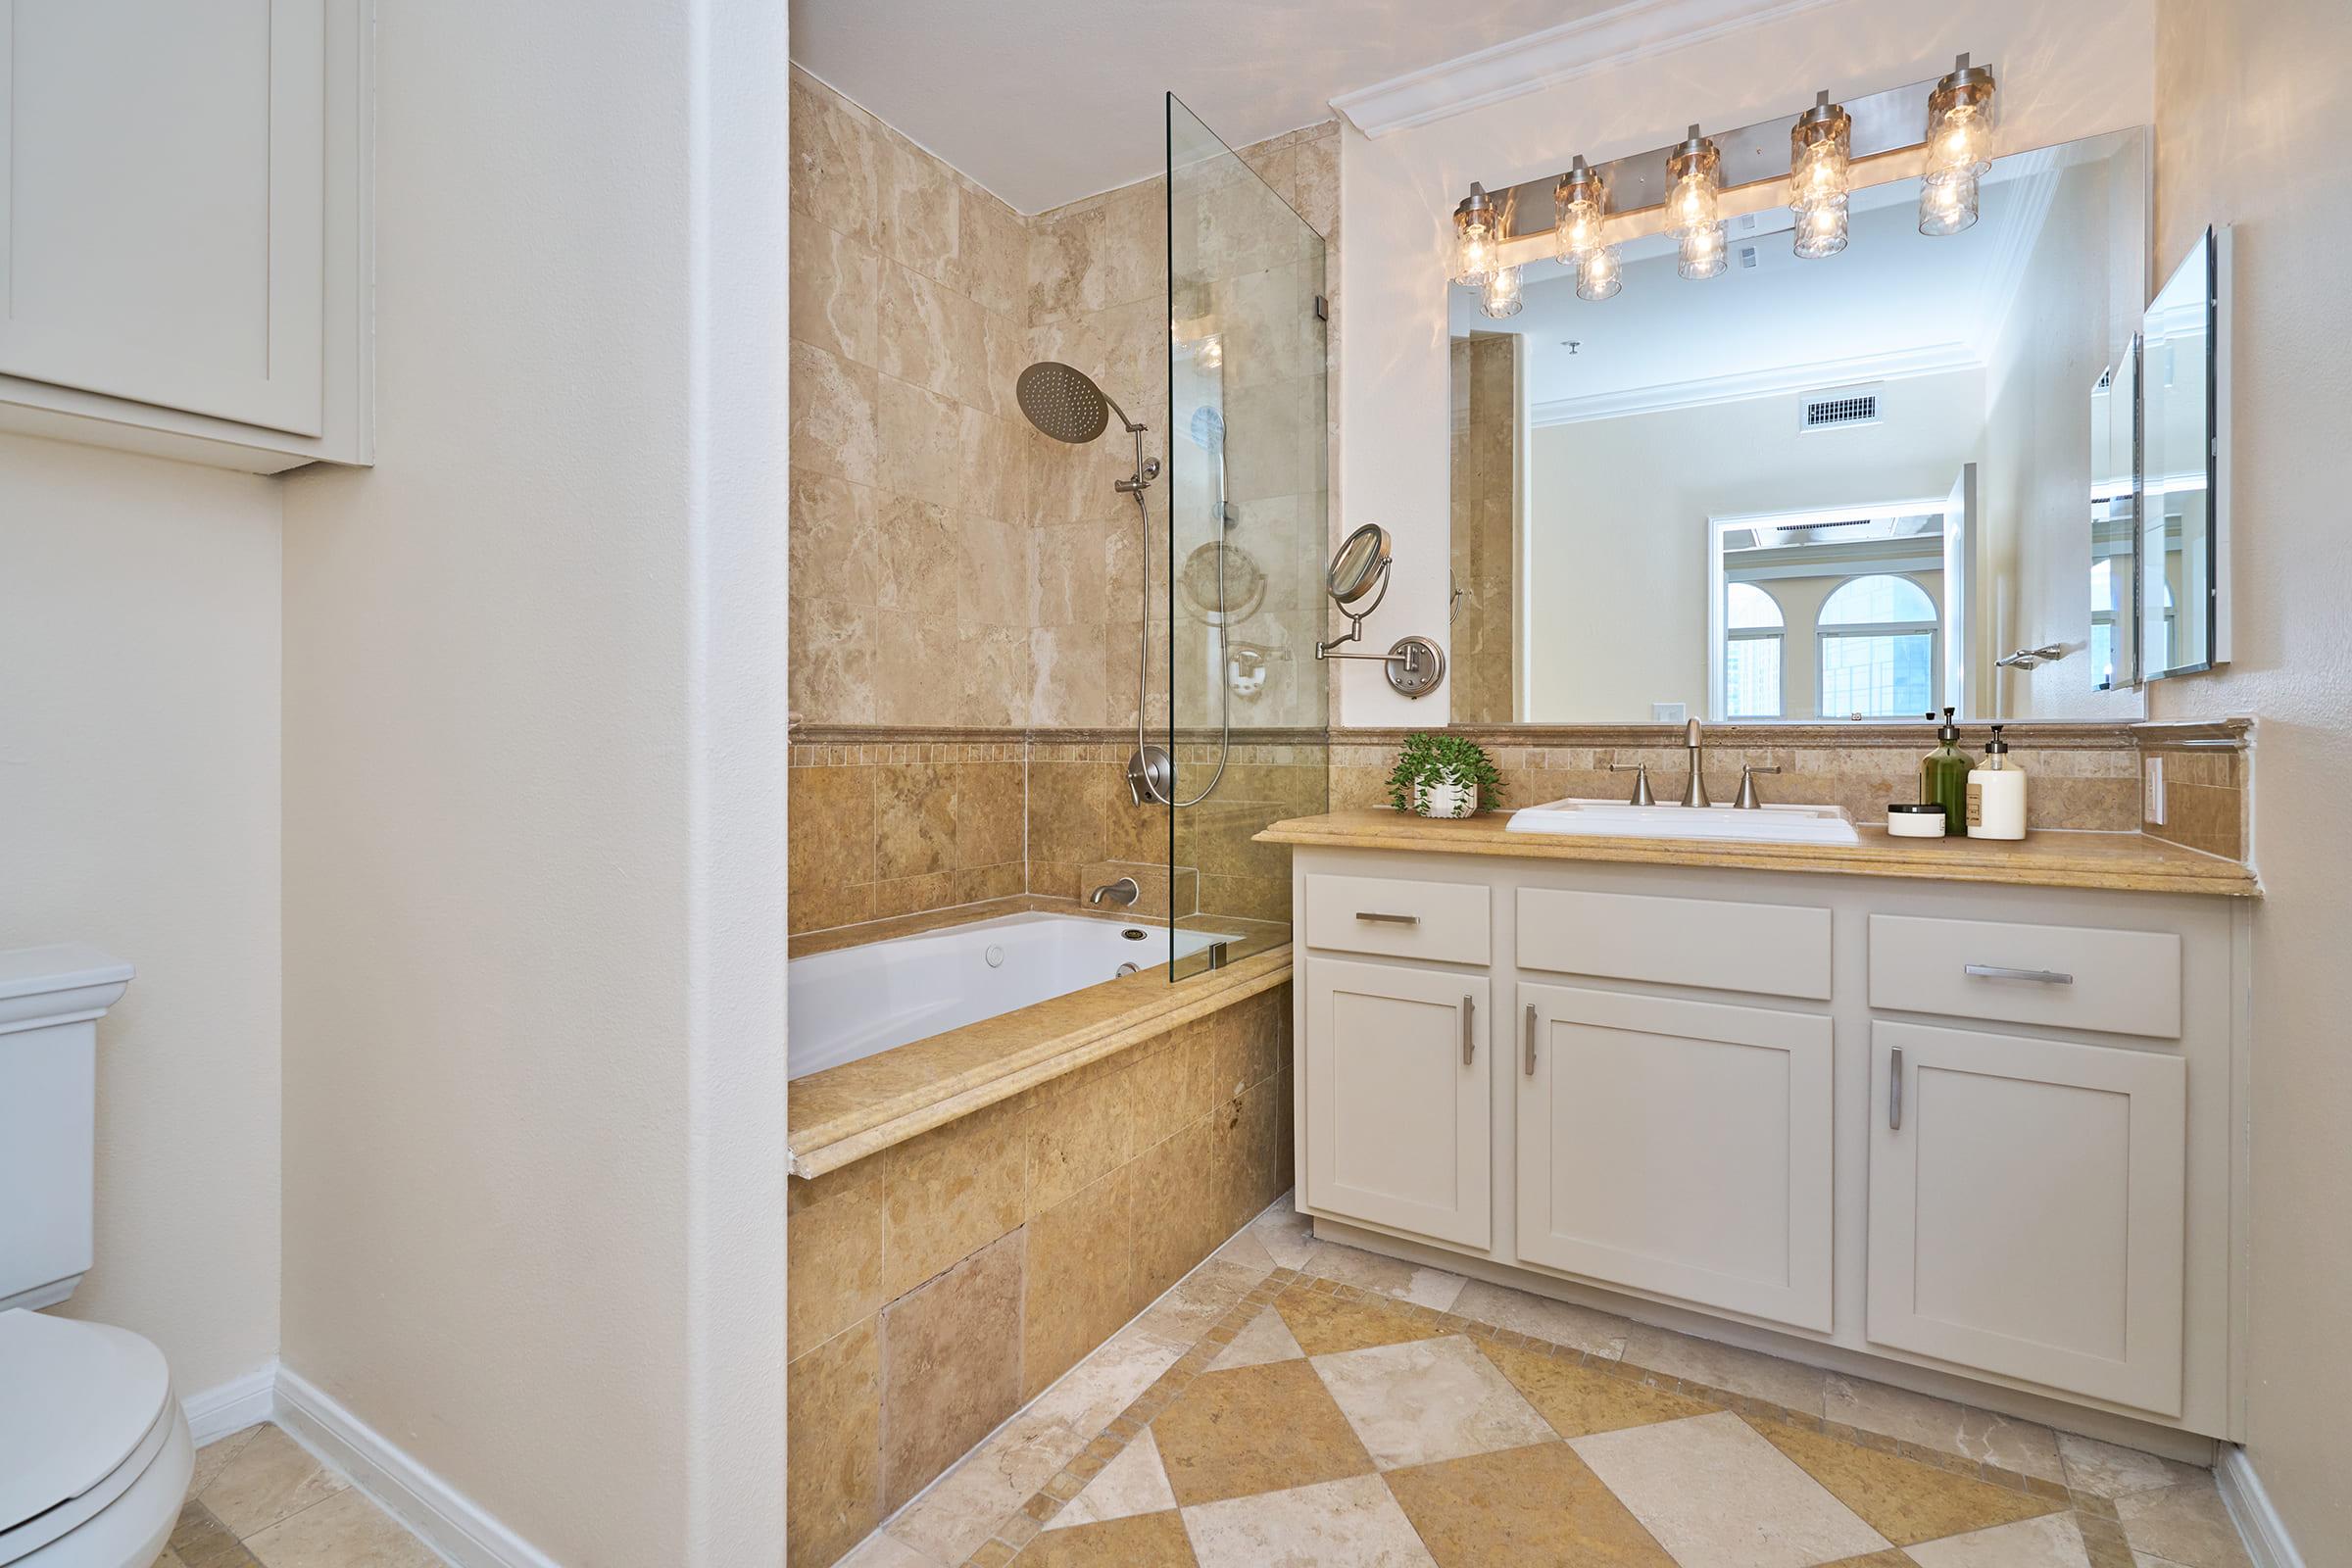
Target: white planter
[{"x": 1445, "y": 799}]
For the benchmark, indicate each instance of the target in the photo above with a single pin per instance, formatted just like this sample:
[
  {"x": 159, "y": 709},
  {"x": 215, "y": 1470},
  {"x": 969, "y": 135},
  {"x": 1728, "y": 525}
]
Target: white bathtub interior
[{"x": 851, "y": 1003}]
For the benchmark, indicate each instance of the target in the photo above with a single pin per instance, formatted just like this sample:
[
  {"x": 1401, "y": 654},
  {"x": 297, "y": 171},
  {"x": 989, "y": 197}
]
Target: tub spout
[{"x": 1123, "y": 892}]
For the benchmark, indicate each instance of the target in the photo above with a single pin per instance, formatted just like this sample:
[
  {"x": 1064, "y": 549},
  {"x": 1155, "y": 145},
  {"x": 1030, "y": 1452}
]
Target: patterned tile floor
[
  {"x": 259, "y": 1498},
  {"x": 1302, "y": 1404}
]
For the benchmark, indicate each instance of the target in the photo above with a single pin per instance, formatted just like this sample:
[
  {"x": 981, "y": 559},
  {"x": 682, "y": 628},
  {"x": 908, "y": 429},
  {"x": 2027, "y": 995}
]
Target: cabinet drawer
[
  {"x": 2068, "y": 976},
  {"x": 1445, "y": 921},
  {"x": 1773, "y": 950}
]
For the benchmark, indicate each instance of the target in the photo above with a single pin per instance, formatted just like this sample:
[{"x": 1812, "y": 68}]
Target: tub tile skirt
[
  {"x": 1296, "y": 1402},
  {"x": 939, "y": 1285}
]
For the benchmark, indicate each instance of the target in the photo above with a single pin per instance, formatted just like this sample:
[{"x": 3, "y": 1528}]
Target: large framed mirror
[{"x": 1805, "y": 489}]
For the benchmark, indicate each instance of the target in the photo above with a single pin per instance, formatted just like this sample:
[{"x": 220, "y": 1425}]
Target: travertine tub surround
[{"x": 942, "y": 1283}]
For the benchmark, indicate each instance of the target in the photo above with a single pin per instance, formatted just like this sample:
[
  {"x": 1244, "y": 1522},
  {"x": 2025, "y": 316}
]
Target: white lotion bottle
[{"x": 1997, "y": 793}]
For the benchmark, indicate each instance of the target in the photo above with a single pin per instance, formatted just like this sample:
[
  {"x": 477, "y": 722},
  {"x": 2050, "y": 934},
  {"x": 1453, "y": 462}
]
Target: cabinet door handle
[
  {"x": 1469, "y": 1034},
  {"x": 1530, "y": 1040},
  {"x": 2040, "y": 977},
  {"x": 1894, "y": 1092},
  {"x": 1377, "y": 918}
]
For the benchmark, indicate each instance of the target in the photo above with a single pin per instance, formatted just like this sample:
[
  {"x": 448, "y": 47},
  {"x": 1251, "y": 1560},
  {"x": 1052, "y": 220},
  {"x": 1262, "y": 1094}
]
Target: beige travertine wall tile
[
  {"x": 1176, "y": 1210},
  {"x": 1080, "y": 1278},
  {"x": 833, "y": 161},
  {"x": 833, "y": 1481},
  {"x": 836, "y": 1255},
  {"x": 835, "y": 288},
  {"x": 950, "y": 1366},
  {"x": 951, "y": 1192},
  {"x": 1080, "y": 1134}
]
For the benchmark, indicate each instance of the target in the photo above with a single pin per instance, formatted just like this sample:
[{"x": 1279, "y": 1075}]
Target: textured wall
[
  {"x": 2239, "y": 92},
  {"x": 1484, "y": 380},
  {"x": 138, "y": 810}
]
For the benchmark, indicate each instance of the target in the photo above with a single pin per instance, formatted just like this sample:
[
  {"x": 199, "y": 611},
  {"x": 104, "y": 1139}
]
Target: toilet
[{"x": 94, "y": 1450}]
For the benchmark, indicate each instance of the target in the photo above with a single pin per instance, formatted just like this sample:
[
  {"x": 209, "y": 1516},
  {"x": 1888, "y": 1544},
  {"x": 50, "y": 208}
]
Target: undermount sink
[{"x": 1616, "y": 819}]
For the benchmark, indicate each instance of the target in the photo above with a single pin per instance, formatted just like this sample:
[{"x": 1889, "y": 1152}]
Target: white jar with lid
[
  {"x": 1907, "y": 822},
  {"x": 1997, "y": 793}
]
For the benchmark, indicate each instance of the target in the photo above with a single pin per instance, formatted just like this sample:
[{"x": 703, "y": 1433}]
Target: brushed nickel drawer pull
[
  {"x": 1894, "y": 1093},
  {"x": 1530, "y": 1040},
  {"x": 1378, "y": 918},
  {"x": 2040, "y": 977},
  {"x": 1469, "y": 1036}
]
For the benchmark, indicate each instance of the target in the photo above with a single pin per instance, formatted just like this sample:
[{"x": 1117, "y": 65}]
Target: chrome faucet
[
  {"x": 1694, "y": 792},
  {"x": 1122, "y": 893}
]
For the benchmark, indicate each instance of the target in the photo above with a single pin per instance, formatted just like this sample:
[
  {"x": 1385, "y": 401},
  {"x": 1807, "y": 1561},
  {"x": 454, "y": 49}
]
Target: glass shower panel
[{"x": 1248, "y": 702}]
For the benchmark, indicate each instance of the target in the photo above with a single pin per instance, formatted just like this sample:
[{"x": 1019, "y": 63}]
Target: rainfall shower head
[{"x": 1064, "y": 403}]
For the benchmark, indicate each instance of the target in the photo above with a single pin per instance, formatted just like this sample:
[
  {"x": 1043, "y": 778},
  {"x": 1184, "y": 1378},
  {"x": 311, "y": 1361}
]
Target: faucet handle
[
  {"x": 1641, "y": 771},
  {"x": 1748, "y": 799}
]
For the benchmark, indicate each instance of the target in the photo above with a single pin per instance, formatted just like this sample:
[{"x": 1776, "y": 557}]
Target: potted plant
[{"x": 1443, "y": 775}]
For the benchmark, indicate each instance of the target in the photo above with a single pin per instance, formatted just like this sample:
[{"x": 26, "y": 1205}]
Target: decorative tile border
[{"x": 2102, "y": 1531}]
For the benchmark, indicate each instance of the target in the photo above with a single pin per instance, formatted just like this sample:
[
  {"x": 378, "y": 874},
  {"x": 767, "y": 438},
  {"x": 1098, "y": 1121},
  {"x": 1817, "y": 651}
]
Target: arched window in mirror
[
  {"x": 1878, "y": 639},
  {"x": 1753, "y": 632}
]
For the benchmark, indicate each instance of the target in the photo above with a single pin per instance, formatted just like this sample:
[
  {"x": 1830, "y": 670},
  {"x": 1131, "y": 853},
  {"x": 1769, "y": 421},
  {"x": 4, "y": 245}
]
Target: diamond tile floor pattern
[
  {"x": 260, "y": 1500},
  {"x": 1314, "y": 1421}
]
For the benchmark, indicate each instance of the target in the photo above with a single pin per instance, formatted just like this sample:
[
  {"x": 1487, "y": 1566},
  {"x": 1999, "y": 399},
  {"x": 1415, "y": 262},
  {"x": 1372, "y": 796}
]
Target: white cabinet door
[
  {"x": 2028, "y": 1208},
  {"x": 163, "y": 203},
  {"x": 1677, "y": 1147},
  {"x": 1399, "y": 1065}
]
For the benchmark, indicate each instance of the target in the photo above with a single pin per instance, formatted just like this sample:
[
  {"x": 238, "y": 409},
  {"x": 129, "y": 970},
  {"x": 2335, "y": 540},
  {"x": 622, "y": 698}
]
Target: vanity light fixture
[
  {"x": 1600, "y": 277},
  {"x": 1581, "y": 201},
  {"x": 1477, "y": 236},
  {"x": 1695, "y": 169},
  {"x": 1961, "y": 119},
  {"x": 1821, "y": 149},
  {"x": 1501, "y": 297}
]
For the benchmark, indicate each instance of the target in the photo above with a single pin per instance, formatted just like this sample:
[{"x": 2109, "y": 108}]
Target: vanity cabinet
[
  {"x": 1970, "y": 1136},
  {"x": 1677, "y": 1147},
  {"x": 184, "y": 227},
  {"x": 2028, "y": 1208},
  {"x": 1399, "y": 1065}
]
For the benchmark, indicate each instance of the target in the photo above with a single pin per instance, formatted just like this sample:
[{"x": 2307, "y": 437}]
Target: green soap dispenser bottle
[{"x": 1943, "y": 776}]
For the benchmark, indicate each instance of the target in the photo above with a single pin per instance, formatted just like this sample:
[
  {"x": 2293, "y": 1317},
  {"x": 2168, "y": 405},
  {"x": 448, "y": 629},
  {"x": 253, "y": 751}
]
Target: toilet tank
[{"x": 50, "y": 1002}]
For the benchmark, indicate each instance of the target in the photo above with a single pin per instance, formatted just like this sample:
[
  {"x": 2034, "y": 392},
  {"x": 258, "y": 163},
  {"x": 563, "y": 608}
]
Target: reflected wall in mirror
[
  {"x": 2179, "y": 597},
  {"x": 1806, "y": 489},
  {"x": 2114, "y": 525}
]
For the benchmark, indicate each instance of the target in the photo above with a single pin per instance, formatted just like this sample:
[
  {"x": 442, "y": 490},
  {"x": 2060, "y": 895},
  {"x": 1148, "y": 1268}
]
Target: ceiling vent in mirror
[{"x": 1831, "y": 411}]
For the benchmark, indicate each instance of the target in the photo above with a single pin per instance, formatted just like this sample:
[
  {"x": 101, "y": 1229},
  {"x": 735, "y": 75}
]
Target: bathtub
[{"x": 851, "y": 1003}]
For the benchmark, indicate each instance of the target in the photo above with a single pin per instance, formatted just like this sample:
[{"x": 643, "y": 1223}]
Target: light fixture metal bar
[{"x": 1886, "y": 122}]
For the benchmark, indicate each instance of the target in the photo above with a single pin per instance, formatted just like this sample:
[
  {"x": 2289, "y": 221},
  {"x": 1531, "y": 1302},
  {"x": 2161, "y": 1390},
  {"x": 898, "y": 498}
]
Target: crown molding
[
  {"x": 1602, "y": 42},
  {"x": 1827, "y": 375}
]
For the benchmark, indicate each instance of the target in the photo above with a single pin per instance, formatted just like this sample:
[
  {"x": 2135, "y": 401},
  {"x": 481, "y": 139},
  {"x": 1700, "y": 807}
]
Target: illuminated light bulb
[
  {"x": 1961, "y": 119},
  {"x": 1501, "y": 295},
  {"x": 1947, "y": 204},
  {"x": 1581, "y": 201},
  {"x": 1820, "y": 157},
  {"x": 1478, "y": 238},
  {"x": 1696, "y": 169},
  {"x": 1209, "y": 353},
  {"x": 1599, "y": 276}
]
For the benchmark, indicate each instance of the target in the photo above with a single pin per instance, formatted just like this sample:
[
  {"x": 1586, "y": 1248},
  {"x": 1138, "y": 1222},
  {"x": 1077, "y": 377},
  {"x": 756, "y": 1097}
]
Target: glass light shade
[
  {"x": 1948, "y": 204},
  {"x": 1581, "y": 201},
  {"x": 1598, "y": 275},
  {"x": 1821, "y": 150},
  {"x": 1693, "y": 204},
  {"x": 1961, "y": 119},
  {"x": 1820, "y": 229},
  {"x": 1477, "y": 237},
  {"x": 1501, "y": 296},
  {"x": 1701, "y": 252}
]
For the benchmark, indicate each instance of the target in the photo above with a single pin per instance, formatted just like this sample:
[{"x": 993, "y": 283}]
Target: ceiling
[{"x": 1044, "y": 101}]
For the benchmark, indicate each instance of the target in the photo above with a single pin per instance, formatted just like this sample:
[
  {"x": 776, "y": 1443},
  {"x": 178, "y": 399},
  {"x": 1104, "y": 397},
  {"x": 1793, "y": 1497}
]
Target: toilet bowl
[{"x": 94, "y": 1450}]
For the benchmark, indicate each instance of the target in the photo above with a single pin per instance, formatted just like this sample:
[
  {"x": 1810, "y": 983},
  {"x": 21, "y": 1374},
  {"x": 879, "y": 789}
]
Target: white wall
[
  {"x": 1624, "y": 501},
  {"x": 2066, "y": 72},
  {"x": 535, "y": 729},
  {"x": 2240, "y": 95},
  {"x": 138, "y": 810}
]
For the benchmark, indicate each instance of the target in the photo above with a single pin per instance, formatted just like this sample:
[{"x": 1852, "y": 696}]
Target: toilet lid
[{"x": 76, "y": 1400}]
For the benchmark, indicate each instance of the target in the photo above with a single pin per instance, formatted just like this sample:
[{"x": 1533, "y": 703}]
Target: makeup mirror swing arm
[{"x": 1414, "y": 664}]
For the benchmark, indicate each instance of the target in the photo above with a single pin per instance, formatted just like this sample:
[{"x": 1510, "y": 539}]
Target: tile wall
[
  {"x": 1486, "y": 525},
  {"x": 2205, "y": 785},
  {"x": 941, "y": 1284}
]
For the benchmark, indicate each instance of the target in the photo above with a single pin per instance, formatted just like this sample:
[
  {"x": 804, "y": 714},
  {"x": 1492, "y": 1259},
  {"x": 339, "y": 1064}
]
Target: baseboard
[
  {"x": 436, "y": 1512},
  {"x": 2258, "y": 1523},
  {"x": 231, "y": 1406}
]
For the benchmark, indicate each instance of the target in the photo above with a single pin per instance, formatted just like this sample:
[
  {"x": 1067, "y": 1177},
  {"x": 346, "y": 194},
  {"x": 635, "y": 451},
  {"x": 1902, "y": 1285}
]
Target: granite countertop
[{"x": 2051, "y": 859}]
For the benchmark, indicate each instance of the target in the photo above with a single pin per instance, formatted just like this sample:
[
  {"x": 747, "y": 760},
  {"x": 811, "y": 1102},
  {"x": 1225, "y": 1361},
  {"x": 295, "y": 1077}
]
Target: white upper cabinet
[{"x": 181, "y": 230}]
